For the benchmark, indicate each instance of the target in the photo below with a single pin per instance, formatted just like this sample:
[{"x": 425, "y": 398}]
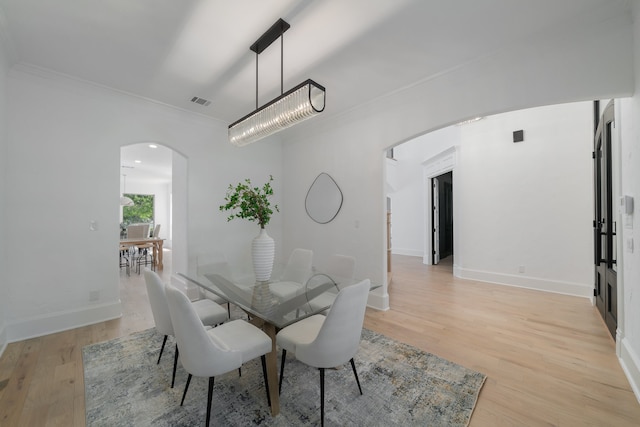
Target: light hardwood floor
[{"x": 548, "y": 358}]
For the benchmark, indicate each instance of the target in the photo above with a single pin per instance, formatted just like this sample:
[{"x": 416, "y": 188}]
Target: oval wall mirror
[{"x": 324, "y": 199}]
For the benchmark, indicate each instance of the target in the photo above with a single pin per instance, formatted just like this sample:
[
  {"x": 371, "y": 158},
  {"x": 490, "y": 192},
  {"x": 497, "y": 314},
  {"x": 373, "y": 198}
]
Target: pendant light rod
[{"x": 272, "y": 34}]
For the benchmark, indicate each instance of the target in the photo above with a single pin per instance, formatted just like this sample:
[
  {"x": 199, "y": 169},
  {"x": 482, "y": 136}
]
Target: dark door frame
[{"x": 605, "y": 224}]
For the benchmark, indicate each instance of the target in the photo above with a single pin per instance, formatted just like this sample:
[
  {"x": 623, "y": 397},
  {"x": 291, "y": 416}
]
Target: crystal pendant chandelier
[{"x": 300, "y": 103}]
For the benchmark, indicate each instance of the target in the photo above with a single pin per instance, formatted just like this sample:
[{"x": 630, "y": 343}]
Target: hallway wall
[{"x": 526, "y": 204}]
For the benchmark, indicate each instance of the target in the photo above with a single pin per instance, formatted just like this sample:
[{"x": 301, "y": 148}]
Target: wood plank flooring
[{"x": 548, "y": 358}]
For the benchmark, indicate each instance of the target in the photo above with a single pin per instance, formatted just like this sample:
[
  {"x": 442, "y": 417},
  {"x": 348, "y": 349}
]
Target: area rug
[{"x": 402, "y": 385}]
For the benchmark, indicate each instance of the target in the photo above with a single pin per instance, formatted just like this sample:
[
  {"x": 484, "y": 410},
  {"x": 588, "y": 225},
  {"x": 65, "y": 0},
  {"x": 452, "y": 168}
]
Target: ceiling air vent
[{"x": 200, "y": 101}]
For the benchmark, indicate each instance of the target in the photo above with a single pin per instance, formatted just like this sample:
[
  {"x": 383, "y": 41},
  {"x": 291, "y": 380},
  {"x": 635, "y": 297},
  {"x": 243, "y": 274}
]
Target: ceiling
[
  {"x": 170, "y": 51},
  {"x": 146, "y": 162}
]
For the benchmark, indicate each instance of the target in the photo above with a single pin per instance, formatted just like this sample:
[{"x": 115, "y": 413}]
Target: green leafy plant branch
[{"x": 250, "y": 203}]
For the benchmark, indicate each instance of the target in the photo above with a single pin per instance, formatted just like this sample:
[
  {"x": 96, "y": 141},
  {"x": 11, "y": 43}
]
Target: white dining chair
[
  {"x": 328, "y": 341},
  {"x": 213, "y": 352},
  {"x": 145, "y": 251},
  {"x": 209, "y": 313},
  {"x": 137, "y": 231},
  {"x": 341, "y": 269},
  {"x": 294, "y": 276}
]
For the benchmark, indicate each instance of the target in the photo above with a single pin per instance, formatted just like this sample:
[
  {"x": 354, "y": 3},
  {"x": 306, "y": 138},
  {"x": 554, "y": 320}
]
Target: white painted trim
[
  {"x": 378, "y": 301},
  {"x": 630, "y": 363},
  {"x": 441, "y": 163},
  {"x": 559, "y": 287},
  {"x": 408, "y": 252},
  {"x": 37, "y": 326}
]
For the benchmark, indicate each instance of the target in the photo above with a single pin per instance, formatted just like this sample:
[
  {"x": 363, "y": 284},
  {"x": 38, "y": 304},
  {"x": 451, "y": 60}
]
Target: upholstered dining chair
[
  {"x": 213, "y": 352},
  {"x": 207, "y": 311},
  {"x": 341, "y": 269},
  {"x": 328, "y": 341},
  {"x": 295, "y": 274},
  {"x": 137, "y": 231},
  {"x": 145, "y": 251}
]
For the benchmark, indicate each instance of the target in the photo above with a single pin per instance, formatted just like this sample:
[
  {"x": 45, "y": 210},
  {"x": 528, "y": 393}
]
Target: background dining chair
[
  {"x": 137, "y": 231},
  {"x": 145, "y": 251},
  {"x": 124, "y": 259},
  {"x": 294, "y": 276},
  {"x": 341, "y": 269},
  {"x": 213, "y": 352},
  {"x": 209, "y": 313},
  {"x": 328, "y": 341}
]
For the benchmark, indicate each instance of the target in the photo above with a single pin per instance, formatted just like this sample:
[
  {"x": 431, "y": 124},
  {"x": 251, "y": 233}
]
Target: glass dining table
[{"x": 270, "y": 305}]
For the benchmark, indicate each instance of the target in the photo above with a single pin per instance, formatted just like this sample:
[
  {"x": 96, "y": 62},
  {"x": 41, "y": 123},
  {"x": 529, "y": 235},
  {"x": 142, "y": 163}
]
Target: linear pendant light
[{"x": 300, "y": 103}]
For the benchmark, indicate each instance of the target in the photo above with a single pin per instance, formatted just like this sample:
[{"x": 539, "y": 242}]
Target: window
[{"x": 140, "y": 212}]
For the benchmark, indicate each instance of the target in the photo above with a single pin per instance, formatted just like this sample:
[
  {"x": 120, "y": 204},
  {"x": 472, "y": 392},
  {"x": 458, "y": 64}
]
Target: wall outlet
[
  {"x": 521, "y": 269},
  {"x": 94, "y": 295}
]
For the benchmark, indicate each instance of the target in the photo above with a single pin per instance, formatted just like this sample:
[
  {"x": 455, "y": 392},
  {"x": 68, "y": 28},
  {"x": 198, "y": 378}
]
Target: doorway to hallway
[{"x": 442, "y": 217}]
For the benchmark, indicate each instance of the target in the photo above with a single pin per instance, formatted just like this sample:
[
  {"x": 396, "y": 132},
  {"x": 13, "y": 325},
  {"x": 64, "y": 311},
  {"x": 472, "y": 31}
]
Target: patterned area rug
[{"x": 402, "y": 386}]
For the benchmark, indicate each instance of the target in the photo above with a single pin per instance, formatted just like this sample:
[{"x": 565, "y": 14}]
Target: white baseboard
[
  {"x": 408, "y": 252},
  {"x": 520, "y": 281},
  {"x": 630, "y": 363},
  {"x": 56, "y": 322},
  {"x": 377, "y": 300}
]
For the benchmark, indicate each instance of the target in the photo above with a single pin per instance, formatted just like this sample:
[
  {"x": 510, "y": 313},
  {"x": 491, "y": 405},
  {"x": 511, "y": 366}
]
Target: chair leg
[
  {"x": 164, "y": 341},
  {"x": 209, "y": 400},
  {"x": 266, "y": 380},
  {"x": 322, "y": 397},
  {"x": 353, "y": 366},
  {"x": 240, "y": 371},
  {"x": 186, "y": 387},
  {"x": 283, "y": 359},
  {"x": 175, "y": 365},
  {"x": 229, "y": 309}
]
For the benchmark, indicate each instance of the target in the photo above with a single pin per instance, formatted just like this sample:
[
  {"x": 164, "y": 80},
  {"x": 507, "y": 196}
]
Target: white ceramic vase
[{"x": 263, "y": 252}]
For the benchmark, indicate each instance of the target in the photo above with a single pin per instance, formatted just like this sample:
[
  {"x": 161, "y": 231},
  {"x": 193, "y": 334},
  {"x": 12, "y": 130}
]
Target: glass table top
[{"x": 280, "y": 301}]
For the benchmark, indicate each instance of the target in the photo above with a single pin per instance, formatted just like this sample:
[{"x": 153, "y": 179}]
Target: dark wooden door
[
  {"x": 604, "y": 225},
  {"x": 442, "y": 218}
]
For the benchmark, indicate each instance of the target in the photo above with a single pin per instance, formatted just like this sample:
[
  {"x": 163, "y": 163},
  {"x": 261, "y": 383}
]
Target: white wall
[
  {"x": 408, "y": 189},
  {"x": 627, "y": 117},
  {"x": 527, "y": 204},
  {"x": 588, "y": 63},
  {"x": 64, "y": 142},
  {"x": 3, "y": 189}
]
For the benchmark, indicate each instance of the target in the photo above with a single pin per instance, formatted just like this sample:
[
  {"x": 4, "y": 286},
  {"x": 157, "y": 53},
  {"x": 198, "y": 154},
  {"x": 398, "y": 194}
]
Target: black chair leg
[
  {"x": 284, "y": 357},
  {"x": 229, "y": 309},
  {"x": 175, "y": 365},
  {"x": 353, "y": 366},
  {"x": 209, "y": 400},
  {"x": 186, "y": 387},
  {"x": 266, "y": 380},
  {"x": 240, "y": 371},
  {"x": 322, "y": 397},
  {"x": 164, "y": 341}
]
